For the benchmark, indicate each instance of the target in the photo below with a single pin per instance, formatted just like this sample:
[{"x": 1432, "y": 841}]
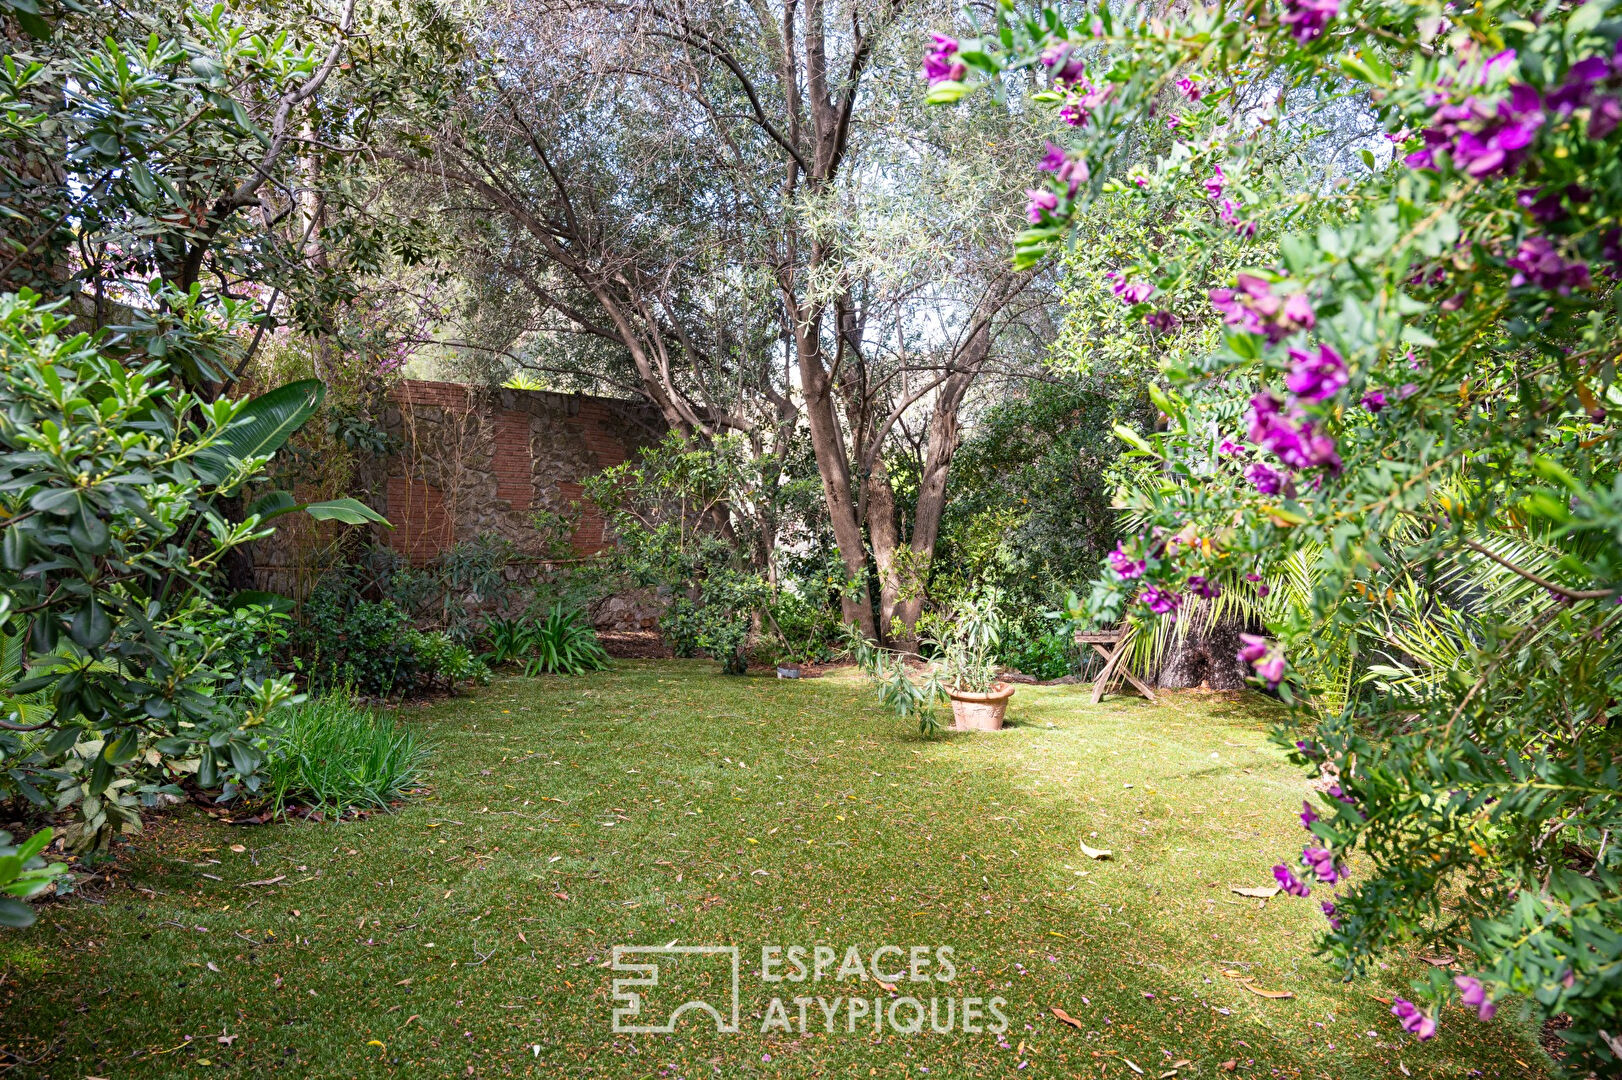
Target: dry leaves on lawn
[
  {"x": 1065, "y": 1017},
  {"x": 1261, "y": 894},
  {"x": 1096, "y": 853}
]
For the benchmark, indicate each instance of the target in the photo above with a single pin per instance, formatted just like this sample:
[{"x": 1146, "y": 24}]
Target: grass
[
  {"x": 661, "y": 801},
  {"x": 333, "y": 755}
]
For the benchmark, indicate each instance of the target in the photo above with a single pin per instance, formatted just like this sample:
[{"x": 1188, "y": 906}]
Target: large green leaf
[
  {"x": 348, "y": 511},
  {"x": 274, "y": 504},
  {"x": 266, "y": 423}
]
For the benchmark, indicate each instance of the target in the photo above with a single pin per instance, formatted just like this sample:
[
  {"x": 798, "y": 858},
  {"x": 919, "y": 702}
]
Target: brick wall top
[{"x": 535, "y": 402}]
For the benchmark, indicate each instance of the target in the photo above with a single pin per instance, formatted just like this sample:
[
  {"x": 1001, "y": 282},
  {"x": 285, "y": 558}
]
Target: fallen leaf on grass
[
  {"x": 1065, "y": 1017},
  {"x": 1229, "y": 1066},
  {"x": 1261, "y": 893},
  {"x": 1133, "y": 1066},
  {"x": 1182, "y": 1063},
  {"x": 1438, "y": 961},
  {"x": 888, "y": 986},
  {"x": 413, "y": 1016},
  {"x": 1279, "y": 995},
  {"x": 1096, "y": 853},
  {"x": 266, "y": 881}
]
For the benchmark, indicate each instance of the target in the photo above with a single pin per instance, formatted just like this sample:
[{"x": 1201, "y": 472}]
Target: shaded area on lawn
[{"x": 663, "y": 802}]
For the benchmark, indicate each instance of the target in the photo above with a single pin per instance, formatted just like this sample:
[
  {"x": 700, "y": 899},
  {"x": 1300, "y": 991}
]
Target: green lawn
[{"x": 662, "y": 802}]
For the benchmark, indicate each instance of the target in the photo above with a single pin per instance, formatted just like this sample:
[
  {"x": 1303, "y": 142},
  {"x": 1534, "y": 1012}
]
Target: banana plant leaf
[{"x": 264, "y": 425}]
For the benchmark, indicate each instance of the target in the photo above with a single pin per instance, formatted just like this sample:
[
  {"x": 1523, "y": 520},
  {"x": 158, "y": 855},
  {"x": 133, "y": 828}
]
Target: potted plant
[{"x": 967, "y": 667}]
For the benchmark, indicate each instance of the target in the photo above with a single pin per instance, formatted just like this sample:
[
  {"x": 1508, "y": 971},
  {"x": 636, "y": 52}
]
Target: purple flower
[
  {"x": 1316, "y": 377},
  {"x": 1538, "y": 263},
  {"x": 1189, "y": 87},
  {"x": 1307, "y": 18},
  {"x": 1229, "y": 448},
  {"x": 1252, "y": 648},
  {"x": 1126, "y": 566},
  {"x": 1203, "y": 587},
  {"x": 1322, "y": 862},
  {"x": 1308, "y": 814},
  {"x": 1607, "y": 114},
  {"x": 1329, "y": 913},
  {"x": 1213, "y": 186},
  {"x": 1336, "y": 792},
  {"x": 1544, "y": 208},
  {"x": 1133, "y": 292},
  {"x": 1298, "y": 311},
  {"x": 1161, "y": 601},
  {"x": 1288, "y": 882},
  {"x": 938, "y": 63},
  {"x": 1042, "y": 202},
  {"x": 1408, "y": 1014},
  {"x": 1161, "y": 321},
  {"x": 1374, "y": 401},
  {"x": 1271, "y": 671},
  {"x": 1474, "y": 994},
  {"x": 1268, "y": 480},
  {"x": 1072, "y": 171},
  {"x": 1483, "y": 141}
]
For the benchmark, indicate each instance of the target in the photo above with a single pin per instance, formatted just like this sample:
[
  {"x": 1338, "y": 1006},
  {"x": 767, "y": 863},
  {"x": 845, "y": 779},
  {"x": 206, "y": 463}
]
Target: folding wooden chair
[{"x": 1113, "y": 646}]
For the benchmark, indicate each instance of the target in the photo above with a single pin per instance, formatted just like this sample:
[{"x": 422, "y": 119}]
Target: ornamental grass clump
[{"x": 333, "y": 756}]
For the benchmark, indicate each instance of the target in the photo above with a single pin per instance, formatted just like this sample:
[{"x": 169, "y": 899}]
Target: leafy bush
[
  {"x": 331, "y": 755},
  {"x": 558, "y": 643},
  {"x": 110, "y": 480},
  {"x": 24, "y": 873},
  {"x": 1048, "y": 656},
  {"x": 1410, "y": 406},
  {"x": 372, "y": 647}
]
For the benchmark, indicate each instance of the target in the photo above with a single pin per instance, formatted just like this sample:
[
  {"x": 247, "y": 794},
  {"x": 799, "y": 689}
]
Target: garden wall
[{"x": 475, "y": 461}]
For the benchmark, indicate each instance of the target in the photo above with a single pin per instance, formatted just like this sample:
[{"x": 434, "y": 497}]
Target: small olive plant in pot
[{"x": 963, "y": 672}]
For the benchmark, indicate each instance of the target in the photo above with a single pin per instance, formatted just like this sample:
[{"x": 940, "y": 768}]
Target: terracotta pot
[{"x": 980, "y": 712}]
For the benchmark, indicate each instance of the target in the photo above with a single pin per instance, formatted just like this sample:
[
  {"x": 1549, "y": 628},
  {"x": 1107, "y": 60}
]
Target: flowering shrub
[{"x": 1411, "y": 401}]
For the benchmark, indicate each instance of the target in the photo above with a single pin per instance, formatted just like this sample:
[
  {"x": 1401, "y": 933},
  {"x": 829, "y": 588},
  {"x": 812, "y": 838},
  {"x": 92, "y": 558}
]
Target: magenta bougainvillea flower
[
  {"x": 1125, "y": 565},
  {"x": 1307, "y": 18},
  {"x": 1289, "y": 882},
  {"x": 939, "y": 65},
  {"x": 1474, "y": 994},
  {"x": 1412, "y": 1020}
]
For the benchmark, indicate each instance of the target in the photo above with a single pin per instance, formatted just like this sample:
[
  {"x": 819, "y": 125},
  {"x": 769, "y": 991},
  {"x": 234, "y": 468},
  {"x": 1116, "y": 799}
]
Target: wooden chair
[{"x": 1113, "y": 646}]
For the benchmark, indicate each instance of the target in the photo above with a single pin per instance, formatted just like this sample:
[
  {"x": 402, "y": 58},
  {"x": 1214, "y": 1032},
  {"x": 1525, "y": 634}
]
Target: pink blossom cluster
[
  {"x": 1293, "y": 437},
  {"x": 1254, "y": 307},
  {"x": 1129, "y": 292},
  {"x": 1070, "y": 170},
  {"x": 1307, "y": 18},
  {"x": 1420, "y": 1024},
  {"x": 1538, "y": 262},
  {"x": 1267, "y": 661},
  {"x": 940, "y": 62}
]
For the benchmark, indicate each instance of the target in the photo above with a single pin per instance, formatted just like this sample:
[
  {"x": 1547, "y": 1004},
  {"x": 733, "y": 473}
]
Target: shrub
[
  {"x": 558, "y": 643},
  {"x": 1411, "y": 408},
  {"x": 24, "y": 873},
  {"x": 332, "y": 755},
  {"x": 1049, "y": 656},
  {"x": 370, "y": 645}
]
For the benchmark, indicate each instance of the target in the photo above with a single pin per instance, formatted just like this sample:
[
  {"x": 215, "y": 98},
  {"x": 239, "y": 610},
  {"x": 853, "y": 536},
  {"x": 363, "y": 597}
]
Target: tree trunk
[{"x": 1207, "y": 656}]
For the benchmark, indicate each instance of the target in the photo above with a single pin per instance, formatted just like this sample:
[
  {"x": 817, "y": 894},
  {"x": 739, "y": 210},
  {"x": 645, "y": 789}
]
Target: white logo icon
[{"x": 629, "y": 1017}]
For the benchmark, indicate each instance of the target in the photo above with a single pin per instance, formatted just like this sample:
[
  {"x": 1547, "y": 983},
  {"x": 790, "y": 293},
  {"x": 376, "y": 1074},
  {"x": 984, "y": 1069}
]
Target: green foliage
[
  {"x": 1436, "y": 482},
  {"x": 1029, "y": 510},
  {"x": 671, "y": 513},
  {"x": 24, "y": 873},
  {"x": 108, "y": 480},
  {"x": 372, "y": 646},
  {"x": 560, "y": 642},
  {"x": 332, "y": 756},
  {"x": 1045, "y": 656}
]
